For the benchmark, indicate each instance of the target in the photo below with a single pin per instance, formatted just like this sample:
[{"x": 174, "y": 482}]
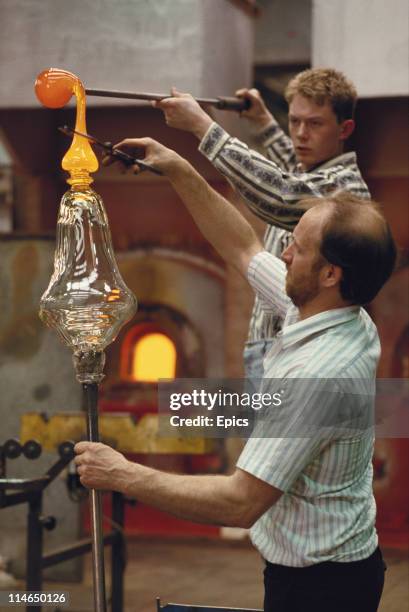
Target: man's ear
[
  {"x": 347, "y": 127},
  {"x": 331, "y": 275}
]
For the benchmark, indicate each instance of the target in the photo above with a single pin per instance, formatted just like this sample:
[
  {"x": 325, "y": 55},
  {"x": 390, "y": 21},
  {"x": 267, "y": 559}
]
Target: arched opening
[
  {"x": 159, "y": 343},
  {"x": 149, "y": 352},
  {"x": 153, "y": 358}
]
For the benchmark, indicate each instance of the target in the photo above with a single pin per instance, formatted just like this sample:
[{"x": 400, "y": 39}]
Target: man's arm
[
  {"x": 274, "y": 195},
  {"x": 183, "y": 112},
  {"x": 218, "y": 220},
  {"x": 277, "y": 145},
  {"x": 271, "y": 193},
  {"x": 237, "y": 500}
]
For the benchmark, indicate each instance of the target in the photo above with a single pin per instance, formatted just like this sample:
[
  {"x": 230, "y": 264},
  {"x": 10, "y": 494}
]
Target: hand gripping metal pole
[{"x": 90, "y": 392}]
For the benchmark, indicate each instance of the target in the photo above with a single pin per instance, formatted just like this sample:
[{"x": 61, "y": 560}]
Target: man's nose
[
  {"x": 302, "y": 131},
  {"x": 286, "y": 255}
]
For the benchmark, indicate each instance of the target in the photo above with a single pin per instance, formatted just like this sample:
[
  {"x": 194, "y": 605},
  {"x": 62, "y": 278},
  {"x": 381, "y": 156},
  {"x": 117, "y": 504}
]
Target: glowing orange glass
[{"x": 54, "y": 88}]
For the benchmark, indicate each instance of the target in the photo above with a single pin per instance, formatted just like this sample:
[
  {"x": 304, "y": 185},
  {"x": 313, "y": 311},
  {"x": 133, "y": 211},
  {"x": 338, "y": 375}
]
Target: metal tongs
[{"x": 128, "y": 160}]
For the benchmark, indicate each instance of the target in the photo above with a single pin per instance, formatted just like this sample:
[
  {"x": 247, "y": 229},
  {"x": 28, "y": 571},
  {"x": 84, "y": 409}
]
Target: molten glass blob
[
  {"x": 87, "y": 301},
  {"x": 54, "y": 88}
]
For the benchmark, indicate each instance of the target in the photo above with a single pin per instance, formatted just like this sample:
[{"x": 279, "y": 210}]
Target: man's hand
[
  {"x": 154, "y": 153},
  {"x": 102, "y": 467},
  {"x": 258, "y": 112},
  {"x": 183, "y": 112}
]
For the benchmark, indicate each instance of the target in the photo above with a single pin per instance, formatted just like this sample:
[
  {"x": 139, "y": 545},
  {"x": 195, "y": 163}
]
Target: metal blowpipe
[{"x": 221, "y": 102}]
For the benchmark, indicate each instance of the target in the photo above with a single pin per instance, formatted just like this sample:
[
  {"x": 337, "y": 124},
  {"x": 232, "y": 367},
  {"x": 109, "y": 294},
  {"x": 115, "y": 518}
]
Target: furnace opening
[
  {"x": 153, "y": 358},
  {"x": 148, "y": 353}
]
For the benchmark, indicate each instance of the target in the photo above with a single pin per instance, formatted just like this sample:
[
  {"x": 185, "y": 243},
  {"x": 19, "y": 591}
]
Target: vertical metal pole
[
  {"x": 2, "y": 473},
  {"x": 91, "y": 404},
  {"x": 34, "y": 577}
]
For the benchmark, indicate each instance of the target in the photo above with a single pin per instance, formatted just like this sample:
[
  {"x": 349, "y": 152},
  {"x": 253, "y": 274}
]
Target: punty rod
[
  {"x": 90, "y": 399},
  {"x": 221, "y": 102}
]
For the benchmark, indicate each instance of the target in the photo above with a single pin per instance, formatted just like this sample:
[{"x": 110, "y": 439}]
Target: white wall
[
  {"x": 366, "y": 39},
  {"x": 201, "y": 46},
  {"x": 283, "y": 32}
]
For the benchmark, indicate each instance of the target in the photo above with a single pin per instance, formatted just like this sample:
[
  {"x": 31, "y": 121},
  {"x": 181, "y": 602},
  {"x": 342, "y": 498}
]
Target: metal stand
[
  {"x": 30, "y": 491},
  {"x": 90, "y": 392}
]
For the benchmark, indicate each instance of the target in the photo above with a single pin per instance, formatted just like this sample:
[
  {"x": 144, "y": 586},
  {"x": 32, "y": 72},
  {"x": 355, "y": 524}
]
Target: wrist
[
  {"x": 202, "y": 126},
  {"x": 264, "y": 120},
  {"x": 178, "y": 170},
  {"x": 126, "y": 480}
]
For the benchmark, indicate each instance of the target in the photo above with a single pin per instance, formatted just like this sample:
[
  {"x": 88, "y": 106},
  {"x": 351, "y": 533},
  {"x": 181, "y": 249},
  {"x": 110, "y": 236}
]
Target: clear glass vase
[{"x": 86, "y": 301}]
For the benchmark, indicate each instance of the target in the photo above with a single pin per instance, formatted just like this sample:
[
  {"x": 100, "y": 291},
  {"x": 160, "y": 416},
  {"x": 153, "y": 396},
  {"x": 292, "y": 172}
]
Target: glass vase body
[{"x": 86, "y": 301}]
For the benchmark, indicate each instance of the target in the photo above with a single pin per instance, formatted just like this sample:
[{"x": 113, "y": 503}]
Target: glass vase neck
[{"x": 80, "y": 180}]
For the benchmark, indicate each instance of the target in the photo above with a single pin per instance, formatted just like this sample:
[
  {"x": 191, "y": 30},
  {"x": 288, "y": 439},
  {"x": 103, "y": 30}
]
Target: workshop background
[{"x": 197, "y": 305}]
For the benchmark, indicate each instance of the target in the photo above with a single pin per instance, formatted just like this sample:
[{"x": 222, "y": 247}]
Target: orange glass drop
[{"x": 54, "y": 88}]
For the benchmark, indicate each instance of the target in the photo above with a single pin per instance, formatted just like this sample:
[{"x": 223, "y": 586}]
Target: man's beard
[{"x": 306, "y": 289}]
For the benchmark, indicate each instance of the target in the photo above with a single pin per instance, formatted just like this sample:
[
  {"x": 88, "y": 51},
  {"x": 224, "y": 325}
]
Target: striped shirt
[
  {"x": 327, "y": 510},
  {"x": 274, "y": 189}
]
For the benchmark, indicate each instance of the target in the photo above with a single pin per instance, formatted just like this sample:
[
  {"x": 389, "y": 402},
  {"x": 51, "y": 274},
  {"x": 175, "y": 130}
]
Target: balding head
[{"x": 356, "y": 237}]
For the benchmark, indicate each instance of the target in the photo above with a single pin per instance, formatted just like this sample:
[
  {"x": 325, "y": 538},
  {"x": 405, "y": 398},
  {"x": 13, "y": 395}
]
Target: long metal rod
[
  {"x": 91, "y": 404},
  {"x": 221, "y": 102},
  {"x": 140, "y": 95}
]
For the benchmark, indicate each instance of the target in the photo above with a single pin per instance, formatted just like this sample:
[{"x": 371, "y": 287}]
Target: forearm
[
  {"x": 264, "y": 189},
  {"x": 278, "y": 146},
  {"x": 271, "y": 193},
  {"x": 218, "y": 220},
  {"x": 204, "y": 499},
  {"x": 236, "y": 500}
]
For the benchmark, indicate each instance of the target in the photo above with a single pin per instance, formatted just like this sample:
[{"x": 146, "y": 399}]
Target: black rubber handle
[{"x": 237, "y": 104}]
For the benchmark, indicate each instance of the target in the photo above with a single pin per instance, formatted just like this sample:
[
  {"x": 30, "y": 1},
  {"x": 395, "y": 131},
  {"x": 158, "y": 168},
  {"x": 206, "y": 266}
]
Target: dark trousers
[{"x": 326, "y": 587}]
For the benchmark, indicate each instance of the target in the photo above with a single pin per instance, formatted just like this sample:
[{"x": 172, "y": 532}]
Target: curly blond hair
[{"x": 322, "y": 85}]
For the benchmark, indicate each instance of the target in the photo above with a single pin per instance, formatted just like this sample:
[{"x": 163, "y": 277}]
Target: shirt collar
[
  {"x": 301, "y": 330},
  {"x": 345, "y": 159}
]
